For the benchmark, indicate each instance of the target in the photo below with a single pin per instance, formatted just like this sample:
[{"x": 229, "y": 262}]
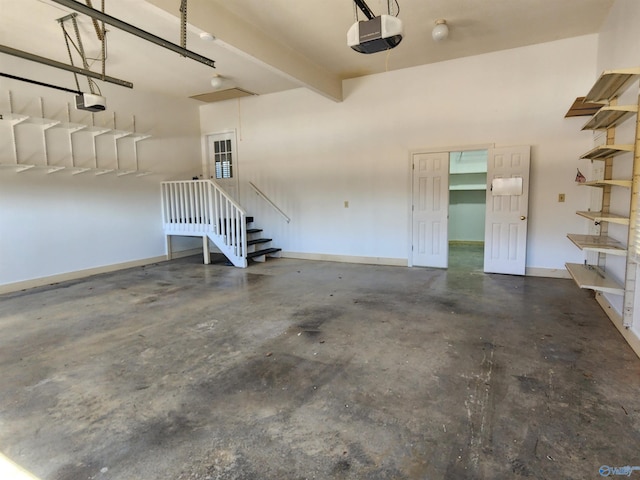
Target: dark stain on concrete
[
  {"x": 314, "y": 317},
  {"x": 530, "y": 384},
  {"x": 77, "y": 471},
  {"x": 278, "y": 384},
  {"x": 164, "y": 430}
]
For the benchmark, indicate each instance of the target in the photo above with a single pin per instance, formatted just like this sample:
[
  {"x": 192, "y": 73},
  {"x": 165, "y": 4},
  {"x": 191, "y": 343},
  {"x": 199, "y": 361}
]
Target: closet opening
[{"x": 467, "y": 208}]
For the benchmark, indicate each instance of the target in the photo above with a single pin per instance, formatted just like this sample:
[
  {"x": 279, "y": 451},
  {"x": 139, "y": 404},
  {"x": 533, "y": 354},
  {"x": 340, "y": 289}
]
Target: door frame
[
  {"x": 207, "y": 173},
  {"x": 449, "y": 149}
]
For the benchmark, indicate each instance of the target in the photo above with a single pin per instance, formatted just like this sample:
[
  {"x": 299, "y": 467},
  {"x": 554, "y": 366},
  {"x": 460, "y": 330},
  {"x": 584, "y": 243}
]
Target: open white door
[
  {"x": 430, "y": 209},
  {"x": 505, "y": 246},
  {"x": 222, "y": 161}
]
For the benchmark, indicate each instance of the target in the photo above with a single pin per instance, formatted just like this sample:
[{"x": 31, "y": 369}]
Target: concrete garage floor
[{"x": 298, "y": 370}]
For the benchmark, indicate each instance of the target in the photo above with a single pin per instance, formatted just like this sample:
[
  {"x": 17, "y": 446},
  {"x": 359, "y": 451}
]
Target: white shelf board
[
  {"x": 603, "y": 183},
  {"x": 610, "y": 116},
  {"x": 602, "y": 152},
  {"x": 78, "y": 170},
  {"x": 482, "y": 186},
  {"x": 18, "y": 167},
  {"x": 95, "y": 131},
  {"x": 48, "y": 168},
  {"x": 55, "y": 168},
  {"x": 605, "y": 217},
  {"x": 70, "y": 127},
  {"x": 24, "y": 168},
  {"x": 13, "y": 118},
  {"x": 587, "y": 276},
  {"x": 598, "y": 243},
  {"x": 116, "y": 133},
  {"x": 45, "y": 123},
  {"x": 611, "y": 83},
  {"x": 139, "y": 136}
]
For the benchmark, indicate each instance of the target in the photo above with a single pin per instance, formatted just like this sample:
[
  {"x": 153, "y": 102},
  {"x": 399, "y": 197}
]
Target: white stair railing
[
  {"x": 268, "y": 200},
  {"x": 200, "y": 208}
]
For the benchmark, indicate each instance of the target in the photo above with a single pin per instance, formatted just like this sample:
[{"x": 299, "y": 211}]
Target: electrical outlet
[{"x": 561, "y": 197}]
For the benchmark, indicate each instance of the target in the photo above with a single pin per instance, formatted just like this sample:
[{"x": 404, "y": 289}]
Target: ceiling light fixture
[
  {"x": 440, "y": 31},
  {"x": 207, "y": 37},
  {"x": 217, "y": 81}
]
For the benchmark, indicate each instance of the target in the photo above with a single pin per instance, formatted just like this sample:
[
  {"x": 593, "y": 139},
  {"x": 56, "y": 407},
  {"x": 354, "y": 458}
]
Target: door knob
[{"x": 522, "y": 217}]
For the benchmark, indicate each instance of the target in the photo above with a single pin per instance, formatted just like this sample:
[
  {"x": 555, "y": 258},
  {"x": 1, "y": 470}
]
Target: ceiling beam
[{"x": 250, "y": 42}]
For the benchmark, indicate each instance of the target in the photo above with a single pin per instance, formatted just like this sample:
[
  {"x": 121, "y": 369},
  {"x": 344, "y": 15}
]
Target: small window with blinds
[{"x": 223, "y": 158}]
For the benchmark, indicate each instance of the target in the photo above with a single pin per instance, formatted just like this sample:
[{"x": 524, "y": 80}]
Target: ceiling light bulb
[
  {"x": 216, "y": 81},
  {"x": 440, "y": 31},
  {"x": 207, "y": 37}
]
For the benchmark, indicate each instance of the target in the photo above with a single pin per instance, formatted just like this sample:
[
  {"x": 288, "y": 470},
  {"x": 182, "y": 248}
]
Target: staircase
[
  {"x": 257, "y": 249},
  {"x": 200, "y": 208}
]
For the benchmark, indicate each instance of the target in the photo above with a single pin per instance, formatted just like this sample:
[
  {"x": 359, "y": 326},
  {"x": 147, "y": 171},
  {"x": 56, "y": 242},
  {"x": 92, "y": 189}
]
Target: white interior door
[
  {"x": 505, "y": 246},
  {"x": 430, "y": 209},
  {"x": 222, "y": 161}
]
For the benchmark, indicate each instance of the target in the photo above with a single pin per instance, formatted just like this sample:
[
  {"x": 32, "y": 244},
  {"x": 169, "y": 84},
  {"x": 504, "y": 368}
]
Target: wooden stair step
[
  {"x": 258, "y": 240},
  {"x": 254, "y": 230},
  {"x": 259, "y": 253}
]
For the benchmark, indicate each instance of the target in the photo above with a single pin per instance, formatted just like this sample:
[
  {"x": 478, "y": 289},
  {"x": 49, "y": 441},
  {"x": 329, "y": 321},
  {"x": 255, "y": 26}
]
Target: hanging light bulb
[
  {"x": 217, "y": 81},
  {"x": 440, "y": 31}
]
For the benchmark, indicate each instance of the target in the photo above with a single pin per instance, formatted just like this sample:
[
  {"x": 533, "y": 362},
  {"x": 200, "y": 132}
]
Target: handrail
[
  {"x": 268, "y": 200},
  {"x": 202, "y": 208}
]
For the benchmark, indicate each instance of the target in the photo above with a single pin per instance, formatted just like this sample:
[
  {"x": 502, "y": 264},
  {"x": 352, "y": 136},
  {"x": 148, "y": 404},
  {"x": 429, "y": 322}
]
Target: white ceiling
[{"x": 267, "y": 46}]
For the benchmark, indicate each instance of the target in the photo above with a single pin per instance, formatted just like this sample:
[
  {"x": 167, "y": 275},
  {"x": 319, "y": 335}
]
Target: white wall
[
  {"x": 60, "y": 223},
  {"x": 619, "y": 47},
  {"x": 310, "y": 154}
]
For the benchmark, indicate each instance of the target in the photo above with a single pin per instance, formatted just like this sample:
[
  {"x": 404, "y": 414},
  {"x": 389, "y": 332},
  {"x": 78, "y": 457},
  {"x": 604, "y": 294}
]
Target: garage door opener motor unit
[{"x": 376, "y": 34}]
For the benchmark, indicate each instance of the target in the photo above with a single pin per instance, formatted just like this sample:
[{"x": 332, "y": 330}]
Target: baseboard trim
[
  {"x": 393, "y": 262},
  {"x": 631, "y": 338},
  {"x": 186, "y": 253},
  {"x": 63, "y": 277},
  {"x": 547, "y": 272},
  {"x": 403, "y": 262}
]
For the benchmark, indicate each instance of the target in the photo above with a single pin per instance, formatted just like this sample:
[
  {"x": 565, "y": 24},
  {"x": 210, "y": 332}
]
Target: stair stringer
[{"x": 228, "y": 250}]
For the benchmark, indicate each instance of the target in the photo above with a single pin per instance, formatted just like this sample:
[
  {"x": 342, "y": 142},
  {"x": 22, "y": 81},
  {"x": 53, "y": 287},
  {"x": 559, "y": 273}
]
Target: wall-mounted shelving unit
[
  {"x": 606, "y": 90},
  {"x": 24, "y": 159}
]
